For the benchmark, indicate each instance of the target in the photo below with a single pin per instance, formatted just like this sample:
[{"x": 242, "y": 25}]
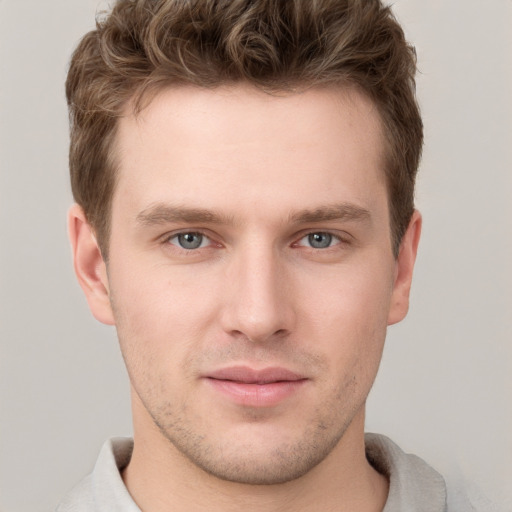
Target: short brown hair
[{"x": 277, "y": 45}]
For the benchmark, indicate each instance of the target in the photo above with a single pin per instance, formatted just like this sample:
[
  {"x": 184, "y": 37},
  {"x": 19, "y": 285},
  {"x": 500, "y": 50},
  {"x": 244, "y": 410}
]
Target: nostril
[{"x": 260, "y": 338}]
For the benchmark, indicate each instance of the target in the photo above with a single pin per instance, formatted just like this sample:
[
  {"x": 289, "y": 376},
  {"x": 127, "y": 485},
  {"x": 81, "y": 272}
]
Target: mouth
[{"x": 246, "y": 386}]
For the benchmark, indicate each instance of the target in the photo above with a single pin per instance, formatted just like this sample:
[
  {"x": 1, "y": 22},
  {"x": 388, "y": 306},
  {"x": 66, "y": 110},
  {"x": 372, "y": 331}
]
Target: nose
[{"x": 259, "y": 304}]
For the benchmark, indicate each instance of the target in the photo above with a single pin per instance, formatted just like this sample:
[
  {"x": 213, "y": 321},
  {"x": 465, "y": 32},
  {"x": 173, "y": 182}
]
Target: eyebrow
[
  {"x": 343, "y": 211},
  {"x": 164, "y": 214},
  {"x": 159, "y": 213}
]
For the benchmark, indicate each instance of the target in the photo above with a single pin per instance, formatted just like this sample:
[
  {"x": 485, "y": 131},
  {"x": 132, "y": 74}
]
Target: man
[{"x": 244, "y": 177}]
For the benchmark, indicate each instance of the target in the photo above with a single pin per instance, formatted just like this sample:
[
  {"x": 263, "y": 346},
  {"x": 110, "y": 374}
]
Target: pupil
[
  {"x": 190, "y": 240},
  {"x": 320, "y": 240}
]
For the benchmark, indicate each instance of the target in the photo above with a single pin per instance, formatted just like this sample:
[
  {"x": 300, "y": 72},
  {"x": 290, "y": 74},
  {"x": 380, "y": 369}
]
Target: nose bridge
[{"x": 259, "y": 303}]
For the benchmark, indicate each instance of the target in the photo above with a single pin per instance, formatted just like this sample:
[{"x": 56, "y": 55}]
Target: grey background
[{"x": 444, "y": 389}]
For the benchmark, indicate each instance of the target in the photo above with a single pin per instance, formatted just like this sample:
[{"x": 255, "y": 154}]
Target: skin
[{"x": 250, "y": 177}]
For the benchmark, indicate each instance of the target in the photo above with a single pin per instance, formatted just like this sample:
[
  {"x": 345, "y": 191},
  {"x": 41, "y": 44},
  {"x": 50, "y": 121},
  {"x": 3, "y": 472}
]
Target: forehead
[{"x": 244, "y": 146}]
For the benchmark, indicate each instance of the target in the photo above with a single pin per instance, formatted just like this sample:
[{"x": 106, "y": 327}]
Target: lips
[
  {"x": 249, "y": 376},
  {"x": 246, "y": 386}
]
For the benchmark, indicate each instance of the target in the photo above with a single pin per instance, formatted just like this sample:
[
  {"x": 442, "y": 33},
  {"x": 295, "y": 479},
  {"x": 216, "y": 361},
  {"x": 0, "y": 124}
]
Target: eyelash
[
  {"x": 334, "y": 237},
  {"x": 168, "y": 240}
]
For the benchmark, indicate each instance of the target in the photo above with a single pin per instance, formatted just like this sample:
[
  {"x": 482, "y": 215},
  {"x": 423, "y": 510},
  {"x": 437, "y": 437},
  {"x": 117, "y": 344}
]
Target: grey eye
[
  {"x": 320, "y": 240},
  {"x": 189, "y": 240}
]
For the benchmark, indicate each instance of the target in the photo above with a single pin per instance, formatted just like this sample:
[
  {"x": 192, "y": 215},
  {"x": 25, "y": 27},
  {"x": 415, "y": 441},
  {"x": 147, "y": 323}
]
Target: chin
[{"x": 264, "y": 461}]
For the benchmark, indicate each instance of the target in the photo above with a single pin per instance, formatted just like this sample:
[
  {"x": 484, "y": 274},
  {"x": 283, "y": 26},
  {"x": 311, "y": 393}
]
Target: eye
[
  {"x": 319, "y": 240},
  {"x": 190, "y": 241}
]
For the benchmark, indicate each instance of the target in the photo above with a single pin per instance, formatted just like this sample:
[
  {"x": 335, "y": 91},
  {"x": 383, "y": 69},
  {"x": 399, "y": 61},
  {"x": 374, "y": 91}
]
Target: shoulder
[
  {"x": 413, "y": 484},
  {"x": 79, "y": 499},
  {"x": 104, "y": 488}
]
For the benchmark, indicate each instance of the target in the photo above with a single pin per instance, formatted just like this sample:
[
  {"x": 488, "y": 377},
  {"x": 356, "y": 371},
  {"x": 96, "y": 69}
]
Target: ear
[
  {"x": 404, "y": 270},
  {"x": 90, "y": 268}
]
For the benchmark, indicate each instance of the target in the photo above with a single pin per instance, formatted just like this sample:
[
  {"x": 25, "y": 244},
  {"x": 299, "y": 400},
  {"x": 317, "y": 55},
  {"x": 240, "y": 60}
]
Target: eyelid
[
  {"x": 204, "y": 240},
  {"x": 307, "y": 235},
  {"x": 166, "y": 239},
  {"x": 341, "y": 237}
]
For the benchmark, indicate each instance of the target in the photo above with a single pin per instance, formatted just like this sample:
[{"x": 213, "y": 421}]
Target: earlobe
[
  {"x": 404, "y": 270},
  {"x": 90, "y": 268}
]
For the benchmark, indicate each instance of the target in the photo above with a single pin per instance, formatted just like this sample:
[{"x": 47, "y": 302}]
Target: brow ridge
[
  {"x": 160, "y": 213},
  {"x": 342, "y": 211}
]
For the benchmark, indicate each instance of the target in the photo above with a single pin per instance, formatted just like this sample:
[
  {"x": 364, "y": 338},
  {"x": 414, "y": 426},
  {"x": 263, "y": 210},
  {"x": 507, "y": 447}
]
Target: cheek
[
  {"x": 347, "y": 315},
  {"x": 161, "y": 316},
  {"x": 349, "y": 299}
]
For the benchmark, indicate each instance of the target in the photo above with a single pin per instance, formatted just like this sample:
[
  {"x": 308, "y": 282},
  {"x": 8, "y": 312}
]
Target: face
[{"x": 251, "y": 276}]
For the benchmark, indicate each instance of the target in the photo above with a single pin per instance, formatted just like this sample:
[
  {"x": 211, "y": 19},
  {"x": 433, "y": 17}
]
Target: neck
[{"x": 160, "y": 478}]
